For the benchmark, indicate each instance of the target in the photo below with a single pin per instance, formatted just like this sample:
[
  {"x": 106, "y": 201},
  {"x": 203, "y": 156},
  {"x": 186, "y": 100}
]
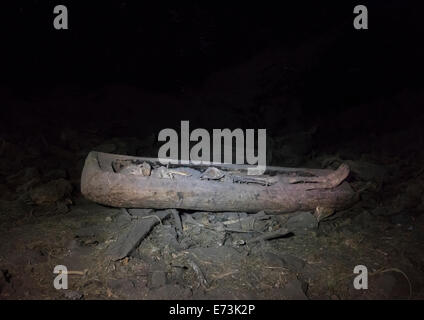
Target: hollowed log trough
[{"x": 290, "y": 189}]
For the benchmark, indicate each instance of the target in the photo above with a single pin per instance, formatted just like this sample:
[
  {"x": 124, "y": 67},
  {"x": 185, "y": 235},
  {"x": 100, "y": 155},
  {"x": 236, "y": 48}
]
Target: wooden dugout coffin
[{"x": 278, "y": 190}]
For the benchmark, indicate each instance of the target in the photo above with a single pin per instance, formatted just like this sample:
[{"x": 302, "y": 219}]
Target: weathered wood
[
  {"x": 101, "y": 184},
  {"x": 270, "y": 235},
  {"x": 136, "y": 232}
]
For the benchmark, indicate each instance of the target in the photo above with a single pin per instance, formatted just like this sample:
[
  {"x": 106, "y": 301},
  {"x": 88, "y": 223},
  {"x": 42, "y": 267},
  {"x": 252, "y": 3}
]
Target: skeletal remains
[{"x": 211, "y": 173}]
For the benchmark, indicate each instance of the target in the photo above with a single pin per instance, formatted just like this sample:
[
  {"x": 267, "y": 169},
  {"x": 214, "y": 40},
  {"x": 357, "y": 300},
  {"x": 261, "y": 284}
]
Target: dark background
[{"x": 148, "y": 65}]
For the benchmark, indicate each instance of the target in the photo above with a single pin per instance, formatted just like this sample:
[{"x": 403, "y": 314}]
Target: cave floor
[{"x": 316, "y": 264}]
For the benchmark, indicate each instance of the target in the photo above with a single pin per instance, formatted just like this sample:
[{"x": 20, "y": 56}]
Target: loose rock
[{"x": 302, "y": 222}]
